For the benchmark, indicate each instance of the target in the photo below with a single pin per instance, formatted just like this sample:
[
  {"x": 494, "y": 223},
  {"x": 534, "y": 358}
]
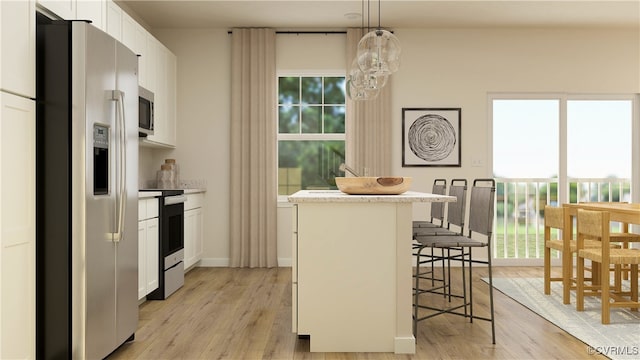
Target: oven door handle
[{"x": 177, "y": 199}]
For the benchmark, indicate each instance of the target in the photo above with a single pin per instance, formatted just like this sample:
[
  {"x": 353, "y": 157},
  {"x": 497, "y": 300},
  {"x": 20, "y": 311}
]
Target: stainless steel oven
[{"x": 171, "y": 262}]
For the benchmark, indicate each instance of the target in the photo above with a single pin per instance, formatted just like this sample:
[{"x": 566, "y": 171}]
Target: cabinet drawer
[
  {"x": 147, "y": 208},
  {"x": 194, "y": 201},
  {"x": 152, "y": 208},
  {"x": 142, "y": 209}
]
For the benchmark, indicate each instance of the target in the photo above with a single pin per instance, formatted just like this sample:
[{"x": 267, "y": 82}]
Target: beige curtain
[
  {"x": 368, "y": 124},
  {"x": 253, "y": 202}
]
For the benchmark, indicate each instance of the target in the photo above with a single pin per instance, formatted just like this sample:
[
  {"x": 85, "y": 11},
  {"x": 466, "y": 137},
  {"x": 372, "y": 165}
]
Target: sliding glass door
[{"x": 552, "y": 149}]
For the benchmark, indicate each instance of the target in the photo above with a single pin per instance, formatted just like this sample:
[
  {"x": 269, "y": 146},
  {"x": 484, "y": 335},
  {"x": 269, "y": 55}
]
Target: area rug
[{"x": 618, "y": 340}]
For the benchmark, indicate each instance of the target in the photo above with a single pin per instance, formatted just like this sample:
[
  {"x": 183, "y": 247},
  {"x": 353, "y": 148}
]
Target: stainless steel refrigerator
[{"x": 87, "y": 191}]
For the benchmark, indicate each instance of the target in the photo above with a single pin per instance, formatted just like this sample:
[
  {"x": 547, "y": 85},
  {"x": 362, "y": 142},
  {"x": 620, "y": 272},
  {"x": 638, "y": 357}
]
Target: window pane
[
  {"x": 599, "y": 138},
  {"x": 524, "y": 132},
  {"x": 289, "y": 90},
  {"x": 334, "y": 90},
  {"x": 312, "y": 119},
  {"x": 312, "y": 90},
  {"x": 308, "y": 165},
  {"x": 334, "y": 119},
  {"x": 288, "y": 119}
]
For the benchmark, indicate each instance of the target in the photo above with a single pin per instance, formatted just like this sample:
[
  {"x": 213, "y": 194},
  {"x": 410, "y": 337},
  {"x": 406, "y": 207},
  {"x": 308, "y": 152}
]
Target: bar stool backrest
[
  {"x": 437, "y": 208},
  {"x": 456, "y": 210},
  {"x": 481, "y": 207}
]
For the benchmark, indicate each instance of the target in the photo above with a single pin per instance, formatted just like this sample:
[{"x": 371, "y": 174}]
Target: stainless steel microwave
[{"x": 145, "y": 112}]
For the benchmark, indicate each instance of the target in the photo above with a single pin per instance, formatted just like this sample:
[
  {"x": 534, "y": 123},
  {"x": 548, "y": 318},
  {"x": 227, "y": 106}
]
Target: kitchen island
[{"x": 352, "y": 270}]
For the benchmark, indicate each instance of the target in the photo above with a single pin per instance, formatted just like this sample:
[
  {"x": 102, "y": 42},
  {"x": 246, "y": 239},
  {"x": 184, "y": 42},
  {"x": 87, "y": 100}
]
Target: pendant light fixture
[
  {"x": 378, "y": 57},
  {"x": 379, "y": 51}
]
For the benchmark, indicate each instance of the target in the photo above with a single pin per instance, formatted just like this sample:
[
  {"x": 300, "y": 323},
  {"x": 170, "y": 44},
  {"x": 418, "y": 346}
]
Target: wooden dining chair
[
  {"x": 554, "y": 220},
  {"x": 595, "y": 225},
  {"x": 623, "y": 237}
]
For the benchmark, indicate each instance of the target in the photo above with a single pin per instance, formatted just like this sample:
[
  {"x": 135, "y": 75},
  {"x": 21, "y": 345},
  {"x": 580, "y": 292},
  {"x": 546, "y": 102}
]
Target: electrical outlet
[{"x": 477, "y": 162}]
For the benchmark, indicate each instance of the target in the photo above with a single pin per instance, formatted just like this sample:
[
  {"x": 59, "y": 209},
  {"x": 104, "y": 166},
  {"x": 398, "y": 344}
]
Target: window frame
[{"x": 307, "y": 136}]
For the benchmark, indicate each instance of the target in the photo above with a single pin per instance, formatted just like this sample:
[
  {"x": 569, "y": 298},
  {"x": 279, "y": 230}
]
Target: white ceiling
[{"x": 330, "y": 15}]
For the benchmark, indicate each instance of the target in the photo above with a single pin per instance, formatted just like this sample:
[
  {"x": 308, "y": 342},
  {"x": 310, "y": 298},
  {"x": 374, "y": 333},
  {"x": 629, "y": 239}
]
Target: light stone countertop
[
  {"x": 321, "y": 196},
  {"x": 151, "y": 194}
]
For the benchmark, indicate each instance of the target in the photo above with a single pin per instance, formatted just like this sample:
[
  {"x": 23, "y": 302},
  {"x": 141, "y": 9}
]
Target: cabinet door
[
  {"x": 129, "y": 32},
  {"x": 17, "y": 47},
  {"x": 114, "y": 20},
  {"x": 17, "y": 227},
  {"x": 151, "y": 64},
  {"x": 153, "y": 254},
  {"x": 142, "y": 259},
  {"x": 141, "y": 50},
  {"x": 66, "y": 9},
  {"x": 94, "y": 10},
  {"x": 193, "y": 240},
  {"x": 164, "y": 96},
  {"x": 170, "y": 96},
  {"x": 198, "y": 236},
  {"x": 189, "y": 238}
]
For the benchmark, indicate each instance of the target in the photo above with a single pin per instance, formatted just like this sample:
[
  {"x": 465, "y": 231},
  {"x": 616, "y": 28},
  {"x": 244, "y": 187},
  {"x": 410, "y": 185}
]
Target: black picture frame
[{"x": 431, "y": 137}]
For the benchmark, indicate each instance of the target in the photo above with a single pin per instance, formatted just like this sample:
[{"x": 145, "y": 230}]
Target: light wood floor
[{"x": 229, "y": 313}]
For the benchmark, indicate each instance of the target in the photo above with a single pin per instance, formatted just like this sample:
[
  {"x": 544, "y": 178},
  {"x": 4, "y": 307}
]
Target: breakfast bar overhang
[{"x": 352, "y": 270}]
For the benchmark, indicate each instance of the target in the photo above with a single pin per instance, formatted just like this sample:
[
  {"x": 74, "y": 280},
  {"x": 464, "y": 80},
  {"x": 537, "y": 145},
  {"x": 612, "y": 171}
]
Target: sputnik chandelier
[{"x": 378, "y": 57}]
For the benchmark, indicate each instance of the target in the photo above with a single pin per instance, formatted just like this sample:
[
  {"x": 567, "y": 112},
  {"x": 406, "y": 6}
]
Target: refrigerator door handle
[{"x": 118, "y": 96}]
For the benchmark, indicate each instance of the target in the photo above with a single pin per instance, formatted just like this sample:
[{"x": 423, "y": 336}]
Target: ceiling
[{"x": 331, "y": 15}]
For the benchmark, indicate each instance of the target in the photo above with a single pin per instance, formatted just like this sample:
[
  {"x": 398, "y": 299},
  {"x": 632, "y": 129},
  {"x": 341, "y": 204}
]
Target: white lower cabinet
[
  {"x": 148, "y": 246},
  {"x": 193, "y": 230},
  {"x": 17, "y": 227}
]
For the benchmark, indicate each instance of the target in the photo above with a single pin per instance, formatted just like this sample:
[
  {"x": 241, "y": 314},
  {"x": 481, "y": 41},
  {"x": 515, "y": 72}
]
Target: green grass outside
[{"x": 526, "y": 239}]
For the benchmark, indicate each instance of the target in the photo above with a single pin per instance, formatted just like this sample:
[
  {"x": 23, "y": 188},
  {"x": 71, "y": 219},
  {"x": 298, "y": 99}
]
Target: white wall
[
  {"x": 203, "y": 114},
  {"x": 440, "y": 68}
]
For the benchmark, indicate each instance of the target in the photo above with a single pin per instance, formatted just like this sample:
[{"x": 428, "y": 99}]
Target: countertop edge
[
  {"x": 333, "y": 196},
  {"x": 194, "y": 191},
  {"x": 148, "y": 194}
]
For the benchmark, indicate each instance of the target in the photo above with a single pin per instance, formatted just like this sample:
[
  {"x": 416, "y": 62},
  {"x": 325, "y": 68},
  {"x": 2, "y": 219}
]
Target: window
[{"x": 311, "y": 132}]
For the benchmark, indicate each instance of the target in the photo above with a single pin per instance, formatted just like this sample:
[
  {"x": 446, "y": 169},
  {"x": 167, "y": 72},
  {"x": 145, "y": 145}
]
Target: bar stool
[{"x": 460, "y": 248}]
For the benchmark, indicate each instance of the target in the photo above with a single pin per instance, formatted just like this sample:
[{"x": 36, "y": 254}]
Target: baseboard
[
  {"x": 405, "y": 345},
  {"x": 224, "y": 262},
  {"x": 213, "y": 262}
]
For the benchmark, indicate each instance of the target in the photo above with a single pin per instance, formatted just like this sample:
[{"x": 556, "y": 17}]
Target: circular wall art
[{"x": 431, "y": 137}]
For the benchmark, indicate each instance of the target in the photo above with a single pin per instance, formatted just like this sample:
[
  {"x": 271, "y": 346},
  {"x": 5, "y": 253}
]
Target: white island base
[{"x": 352, "y": 270}]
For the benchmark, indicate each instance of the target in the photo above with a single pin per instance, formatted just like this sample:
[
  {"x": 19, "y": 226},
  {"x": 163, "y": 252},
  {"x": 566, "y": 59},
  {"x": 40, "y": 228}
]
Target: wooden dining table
[{"x": 624, "y": 213}]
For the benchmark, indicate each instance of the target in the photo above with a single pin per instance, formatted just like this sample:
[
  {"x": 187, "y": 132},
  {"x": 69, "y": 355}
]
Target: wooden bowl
[{"x": 364, "y": 185}]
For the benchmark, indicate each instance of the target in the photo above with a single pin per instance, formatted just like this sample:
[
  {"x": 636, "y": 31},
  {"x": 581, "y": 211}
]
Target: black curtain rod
[{"x": 304, "y": 32}]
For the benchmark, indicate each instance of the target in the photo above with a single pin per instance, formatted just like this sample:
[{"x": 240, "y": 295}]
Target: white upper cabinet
[
  {"x": 17, "y": 50},
  {"x": 163, "y": 85},
  {"x": 141, "y": 50},
  {"x": 114, "y": 20},
  {"x": 151, "y": 63},
  {"x": 65, "y": 9},
  {"x": 129, "y": 32},
  {"x": 93, "y": 10}
]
